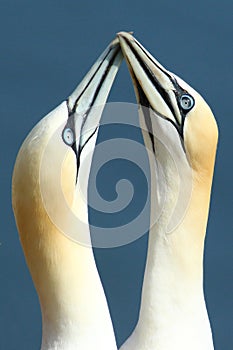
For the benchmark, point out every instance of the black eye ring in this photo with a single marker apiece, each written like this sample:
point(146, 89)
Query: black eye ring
point(186, 102)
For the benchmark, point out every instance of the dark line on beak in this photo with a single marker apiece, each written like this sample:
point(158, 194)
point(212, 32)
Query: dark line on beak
point(153, 78)
point(178, 91)
point(144, 103)
point(104, 76)
point(100, 83)
point(164, 71)
point(89, 82)
point(79, 151)
point(71, 113)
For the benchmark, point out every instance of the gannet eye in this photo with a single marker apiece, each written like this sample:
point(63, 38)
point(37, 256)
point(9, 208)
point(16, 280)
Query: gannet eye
point(68, 136)
point(186, 102)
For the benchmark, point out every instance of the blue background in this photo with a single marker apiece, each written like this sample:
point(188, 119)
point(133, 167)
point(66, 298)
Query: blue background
point(45, 49)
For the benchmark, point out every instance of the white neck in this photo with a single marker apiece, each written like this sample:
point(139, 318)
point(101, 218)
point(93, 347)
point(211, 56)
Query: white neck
point(75, 314)
point(173, 313)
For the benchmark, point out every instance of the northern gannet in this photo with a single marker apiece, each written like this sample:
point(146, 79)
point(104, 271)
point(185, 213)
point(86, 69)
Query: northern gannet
point(180, 135)
point(74, 310)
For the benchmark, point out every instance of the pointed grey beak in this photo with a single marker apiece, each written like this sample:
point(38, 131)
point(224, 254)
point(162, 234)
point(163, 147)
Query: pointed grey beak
point(86, 103)
point(154, 85)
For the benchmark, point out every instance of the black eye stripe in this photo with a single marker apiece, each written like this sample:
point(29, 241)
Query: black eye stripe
point(165, 96)
point(178, 90)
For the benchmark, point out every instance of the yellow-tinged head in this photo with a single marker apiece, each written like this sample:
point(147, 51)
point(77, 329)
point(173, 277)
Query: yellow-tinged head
point(200, 134)
point(174, 100)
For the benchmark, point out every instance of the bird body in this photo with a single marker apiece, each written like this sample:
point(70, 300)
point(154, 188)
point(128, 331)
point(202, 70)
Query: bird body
point(74, 308)
point(181, 146)
point(50, 183)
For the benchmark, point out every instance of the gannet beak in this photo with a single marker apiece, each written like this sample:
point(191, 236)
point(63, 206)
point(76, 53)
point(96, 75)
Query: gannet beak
point(86, 103)
point(154, 85)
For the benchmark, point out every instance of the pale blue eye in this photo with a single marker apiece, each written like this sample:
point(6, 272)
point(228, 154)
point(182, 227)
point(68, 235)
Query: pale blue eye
point(68, 136)
point(186, 102)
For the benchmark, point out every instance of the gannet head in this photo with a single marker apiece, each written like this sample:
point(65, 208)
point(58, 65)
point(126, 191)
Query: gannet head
point(175, 101)
point(55, 148)
point(50, 163)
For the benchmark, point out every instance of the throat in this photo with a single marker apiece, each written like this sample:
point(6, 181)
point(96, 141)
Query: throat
point(173, 312)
